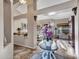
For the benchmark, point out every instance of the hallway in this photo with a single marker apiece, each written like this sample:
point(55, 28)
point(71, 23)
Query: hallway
point(39, 29)
point(28, 23)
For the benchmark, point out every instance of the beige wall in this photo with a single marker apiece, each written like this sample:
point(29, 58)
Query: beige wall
point(41, 22)
point(17, 23)
point(7, 20)
point(20, 40)
point(7, 51)
point(1, 25)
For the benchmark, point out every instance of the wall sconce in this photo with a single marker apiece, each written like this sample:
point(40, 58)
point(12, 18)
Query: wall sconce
point(74, 10)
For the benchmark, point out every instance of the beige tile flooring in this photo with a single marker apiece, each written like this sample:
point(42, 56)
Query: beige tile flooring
point(22, 52)
point(60, 54)
point(26, 53)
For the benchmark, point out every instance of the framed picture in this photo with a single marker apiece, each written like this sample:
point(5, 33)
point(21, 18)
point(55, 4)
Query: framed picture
point(23, 26)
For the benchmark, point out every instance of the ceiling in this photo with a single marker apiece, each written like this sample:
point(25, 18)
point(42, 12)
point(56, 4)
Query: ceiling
point(41, 4)
point(47, 3)
point(59, 15)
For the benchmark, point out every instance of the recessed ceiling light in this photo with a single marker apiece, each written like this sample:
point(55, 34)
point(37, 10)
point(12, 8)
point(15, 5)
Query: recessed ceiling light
point(51, 13)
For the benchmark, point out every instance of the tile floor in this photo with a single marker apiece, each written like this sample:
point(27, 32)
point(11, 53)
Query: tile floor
point(25, 53)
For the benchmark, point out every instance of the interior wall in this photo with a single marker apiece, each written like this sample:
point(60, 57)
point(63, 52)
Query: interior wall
point(7, 21)
point(41, 22)
point(1, 25)
point(21, 40)
point(6, 52)
point(17, 24)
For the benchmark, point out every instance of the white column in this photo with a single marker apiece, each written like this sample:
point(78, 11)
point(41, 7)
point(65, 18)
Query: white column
point(7, 21)
point(1, 25)
point(6, 52)
point(77, 31)
point(31, 26)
